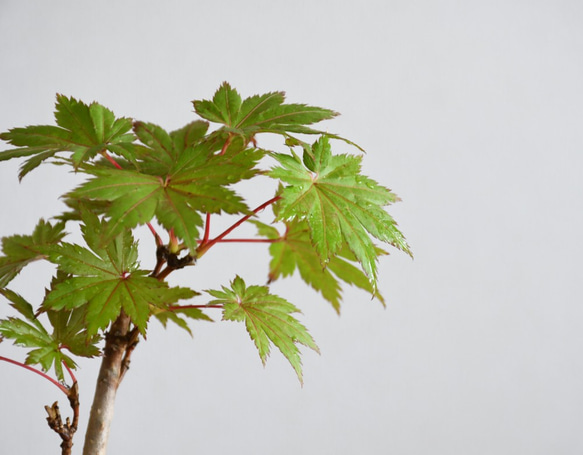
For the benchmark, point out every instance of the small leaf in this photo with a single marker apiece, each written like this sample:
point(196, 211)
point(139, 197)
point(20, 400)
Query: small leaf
point(268, 319)
point(158, 140)
point(21, 305)
point(224, 108)
point(85, 130)
point(259, 113)
point(21, 250)
point(188, 135)
point(69, 333)
point(295, 251)
point(174, 314)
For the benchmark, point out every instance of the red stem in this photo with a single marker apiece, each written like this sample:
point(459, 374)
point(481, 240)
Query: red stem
point(207, 229)
point(182, 307)
point(110, 159)
point(61, 387)
point(164, 273)
point(226, 145)
point(249, 240)
point(203, 247)
point(73, 378)
point(155, 234)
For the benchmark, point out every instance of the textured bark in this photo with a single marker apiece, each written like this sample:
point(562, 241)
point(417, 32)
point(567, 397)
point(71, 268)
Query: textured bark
point(66, 430)
point(118, 343)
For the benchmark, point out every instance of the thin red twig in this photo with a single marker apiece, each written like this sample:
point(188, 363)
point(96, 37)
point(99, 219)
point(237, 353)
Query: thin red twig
point(155, 234)
point(73, 378)
point(207, 229)
point(110, 159)
point(61, 387)
point(226, 145)
point(203, 247)
point(183, 307)
point(249, 240)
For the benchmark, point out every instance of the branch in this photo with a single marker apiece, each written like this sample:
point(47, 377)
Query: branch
point(133, 339)
point(73, 378)
point(155, 234)
point(207, 228)
point(249, 240)
point(108, 157)
point(226, 144)
point(66, 430)
point(164, 273)
point(117, 342)
point(186, 307)
point(61, 387)
point(203, 247)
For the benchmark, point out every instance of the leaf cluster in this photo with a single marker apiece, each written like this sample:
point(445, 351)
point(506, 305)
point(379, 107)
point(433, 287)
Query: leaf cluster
point(138, 173)
point(47, 349)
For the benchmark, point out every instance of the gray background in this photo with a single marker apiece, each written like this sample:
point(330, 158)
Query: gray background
point(470, 110)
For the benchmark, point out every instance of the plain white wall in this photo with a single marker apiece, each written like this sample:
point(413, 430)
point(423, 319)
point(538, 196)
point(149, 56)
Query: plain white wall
point(471, 111)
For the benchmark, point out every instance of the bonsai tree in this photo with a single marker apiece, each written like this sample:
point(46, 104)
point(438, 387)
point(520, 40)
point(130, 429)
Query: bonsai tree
point(323, 219)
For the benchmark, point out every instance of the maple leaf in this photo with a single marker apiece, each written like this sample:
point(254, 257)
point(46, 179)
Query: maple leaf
point(21, 250)
point(162, 150)
point(174, 314)
point(341, 206)
point(106, 280)
point(196, 183)
point(260, 113)
point(68, 333)
point(84, 130)
point(268, 319)
point(294, 250)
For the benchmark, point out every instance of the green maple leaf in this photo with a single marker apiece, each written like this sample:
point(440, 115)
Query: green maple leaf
point(268, 319)
point(69, 330)
point(21, 250)
point(294, 250)
point(196, 183)
point(162, 150)
point(340, 205)
point(46, 350)
point(85, 130)
point(260, 113)
point(106, 279)
point(68, 333)
point(174, 315)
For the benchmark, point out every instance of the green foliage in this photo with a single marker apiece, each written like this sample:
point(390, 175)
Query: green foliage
point(295, 251)
point(106, 279)
point(341, 206)
point(174, 315)
point(68, 333)
point(21, 250)
point(176, 194)
point(268, 319)
point(259, 114)
point(82, 129)
point(138, 173)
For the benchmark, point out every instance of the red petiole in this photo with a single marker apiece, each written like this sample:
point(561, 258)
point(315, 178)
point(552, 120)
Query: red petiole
point(61, 387)
point(73, 378)
point(186, 307)
point(204, 246)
